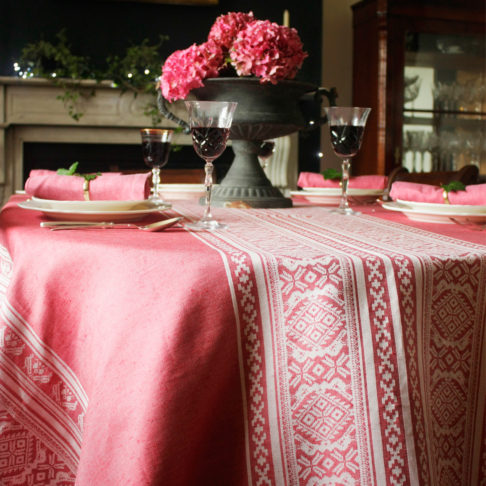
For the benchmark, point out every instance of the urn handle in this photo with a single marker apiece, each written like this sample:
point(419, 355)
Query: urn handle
point(164, 110)
point(315, 105)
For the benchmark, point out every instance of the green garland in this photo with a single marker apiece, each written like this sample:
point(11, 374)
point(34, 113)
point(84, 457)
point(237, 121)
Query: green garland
point(135, 72)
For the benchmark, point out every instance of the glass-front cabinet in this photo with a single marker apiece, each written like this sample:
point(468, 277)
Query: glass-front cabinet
point(444, 102)
point(422, 68)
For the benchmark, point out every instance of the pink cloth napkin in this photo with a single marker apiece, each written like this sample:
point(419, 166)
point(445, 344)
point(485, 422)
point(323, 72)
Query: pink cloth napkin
point(111, 186)
point(416, 192)
point(314, 179)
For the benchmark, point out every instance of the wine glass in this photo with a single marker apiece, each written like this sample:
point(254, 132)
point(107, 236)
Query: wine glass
point(347, 127)
point(155, 151)
point(267, 148)
point(210, 123)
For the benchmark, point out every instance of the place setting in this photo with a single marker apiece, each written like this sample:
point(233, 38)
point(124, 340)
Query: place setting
point(339, 188)
point(447, 204)
point(99, 200)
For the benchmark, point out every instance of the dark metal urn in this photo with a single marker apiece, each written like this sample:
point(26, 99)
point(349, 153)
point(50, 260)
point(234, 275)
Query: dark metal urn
point(264, 111)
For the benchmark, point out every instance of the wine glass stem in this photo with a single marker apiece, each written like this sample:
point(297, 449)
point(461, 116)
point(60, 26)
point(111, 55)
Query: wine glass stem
point(208, 183)
point(345, 180)
point(155, 181)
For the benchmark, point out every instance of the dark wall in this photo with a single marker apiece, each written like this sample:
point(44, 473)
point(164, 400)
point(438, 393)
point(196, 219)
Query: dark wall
point(98, 28)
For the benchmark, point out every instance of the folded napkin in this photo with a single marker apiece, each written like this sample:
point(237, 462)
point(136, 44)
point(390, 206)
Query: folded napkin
point(109, 186)
point(416, 192)
point(314, 179)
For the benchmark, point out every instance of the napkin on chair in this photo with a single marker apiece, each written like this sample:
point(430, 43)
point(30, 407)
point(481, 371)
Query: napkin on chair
point(412, 191)
point(110, 186)
point(314, 179)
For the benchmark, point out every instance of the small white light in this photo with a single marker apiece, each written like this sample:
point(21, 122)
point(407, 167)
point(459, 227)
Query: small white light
point(53, 75)
point(320, 155)
point(16, 66)
point(147, 71)
point(129, 75)
point(311, 122)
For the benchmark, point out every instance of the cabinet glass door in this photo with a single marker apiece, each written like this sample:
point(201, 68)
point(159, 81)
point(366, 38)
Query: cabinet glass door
point(444, 112)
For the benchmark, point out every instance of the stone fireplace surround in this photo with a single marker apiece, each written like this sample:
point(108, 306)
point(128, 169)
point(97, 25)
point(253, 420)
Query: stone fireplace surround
point(30, 112)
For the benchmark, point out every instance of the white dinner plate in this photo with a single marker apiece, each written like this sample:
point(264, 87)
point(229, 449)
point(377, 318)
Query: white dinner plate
point(94, 210)
point(447, 208)
point(93, 205)
point(332, 195)
point(454, 213)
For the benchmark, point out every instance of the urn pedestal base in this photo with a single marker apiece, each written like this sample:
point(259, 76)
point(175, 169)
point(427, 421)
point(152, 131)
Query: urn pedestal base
point(247, 182)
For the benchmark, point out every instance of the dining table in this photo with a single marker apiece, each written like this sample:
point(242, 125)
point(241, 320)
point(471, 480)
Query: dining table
point(297, 346)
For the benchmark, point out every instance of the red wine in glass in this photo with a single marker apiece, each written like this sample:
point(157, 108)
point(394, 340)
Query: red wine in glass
point(155, 153)
point(210, 123)
point(346, 139)
point(209, 142)
point(266, 150)
point(346, 126)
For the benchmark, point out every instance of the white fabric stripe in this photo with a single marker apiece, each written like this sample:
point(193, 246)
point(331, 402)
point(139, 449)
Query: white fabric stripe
point(44, 352)
point(423, 338)
point(372, 446)
point(263, 286)
point(231, 285)
point(402, 367)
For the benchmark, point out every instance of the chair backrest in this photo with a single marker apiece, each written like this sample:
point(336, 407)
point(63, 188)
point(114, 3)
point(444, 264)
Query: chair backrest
point(469, 174)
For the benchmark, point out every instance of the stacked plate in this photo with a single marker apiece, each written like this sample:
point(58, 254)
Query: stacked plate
point(439, 213)
point(182, 191)
point(94, 210)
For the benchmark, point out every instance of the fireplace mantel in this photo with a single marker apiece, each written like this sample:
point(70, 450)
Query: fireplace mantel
point(31, 112)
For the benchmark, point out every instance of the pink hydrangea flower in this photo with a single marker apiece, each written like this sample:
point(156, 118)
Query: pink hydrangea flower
point(226, 27)
point(184, 70)
point(251, 47)
point(270, 51)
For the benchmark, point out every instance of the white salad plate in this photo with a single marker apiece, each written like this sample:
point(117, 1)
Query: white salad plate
point(451, 213)
point(94, 210)
point(332, 195)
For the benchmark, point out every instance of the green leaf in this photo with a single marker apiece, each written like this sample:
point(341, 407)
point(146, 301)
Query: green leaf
point(453, 186)
point(332, 174)
point(89, 177)
point(70, 171)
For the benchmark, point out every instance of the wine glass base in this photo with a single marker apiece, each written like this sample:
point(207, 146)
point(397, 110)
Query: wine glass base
point(205, 225)
point(345, 211)
point(157, 200)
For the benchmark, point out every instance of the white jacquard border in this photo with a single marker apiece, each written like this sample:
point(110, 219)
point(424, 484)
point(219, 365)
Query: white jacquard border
point(37, 411)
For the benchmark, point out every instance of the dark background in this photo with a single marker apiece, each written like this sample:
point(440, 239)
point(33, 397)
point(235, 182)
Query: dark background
point(101, 28)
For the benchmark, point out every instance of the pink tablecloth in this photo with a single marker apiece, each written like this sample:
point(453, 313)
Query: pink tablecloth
point(296, 347)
